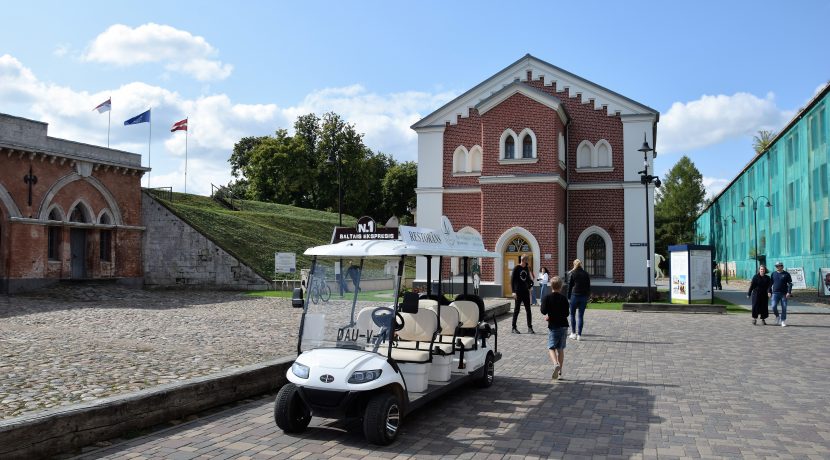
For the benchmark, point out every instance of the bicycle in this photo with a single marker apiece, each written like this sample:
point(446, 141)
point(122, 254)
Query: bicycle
point(319, 290)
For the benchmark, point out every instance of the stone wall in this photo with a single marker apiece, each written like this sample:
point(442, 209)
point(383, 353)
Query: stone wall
point(178, 255)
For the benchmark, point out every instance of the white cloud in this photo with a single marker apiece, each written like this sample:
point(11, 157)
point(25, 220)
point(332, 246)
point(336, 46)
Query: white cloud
point(180, 50)
point(385, 119)
point(216, 123)
point(714, 119)
point(714, 185)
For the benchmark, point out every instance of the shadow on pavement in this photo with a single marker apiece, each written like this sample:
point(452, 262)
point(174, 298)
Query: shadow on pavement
point(520, 416)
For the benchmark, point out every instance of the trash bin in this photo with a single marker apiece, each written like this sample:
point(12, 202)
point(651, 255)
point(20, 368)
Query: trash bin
point(297, 298)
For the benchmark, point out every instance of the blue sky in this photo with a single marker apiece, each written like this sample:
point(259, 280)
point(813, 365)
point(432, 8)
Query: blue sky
point(717, 71)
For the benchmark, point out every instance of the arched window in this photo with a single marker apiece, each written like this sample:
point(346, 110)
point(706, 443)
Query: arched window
point(54, 214)
point(509, 149)
point(475, 159)
point(527, 146)
point(603, 154)
point(595, 255)
point(583, 155)
point(105, 219)
point(459, 160)
point(79, 214)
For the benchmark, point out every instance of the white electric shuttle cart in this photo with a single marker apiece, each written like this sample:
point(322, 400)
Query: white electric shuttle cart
point(375, 364)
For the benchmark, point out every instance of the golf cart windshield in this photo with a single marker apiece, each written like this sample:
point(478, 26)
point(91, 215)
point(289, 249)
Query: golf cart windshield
point(332, 321)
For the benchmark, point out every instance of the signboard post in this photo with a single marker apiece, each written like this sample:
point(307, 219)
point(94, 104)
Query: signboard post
point(797, 274)
point(690, 272)
point(285, 262)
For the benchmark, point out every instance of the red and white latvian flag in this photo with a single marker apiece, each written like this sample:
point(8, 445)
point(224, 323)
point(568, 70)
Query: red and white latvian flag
point(179, 126)
point(105, 106)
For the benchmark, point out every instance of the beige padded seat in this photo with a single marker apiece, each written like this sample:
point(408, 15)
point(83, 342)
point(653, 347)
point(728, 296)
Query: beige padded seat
point(417, 327)
point(468, 315)
point(449, 320)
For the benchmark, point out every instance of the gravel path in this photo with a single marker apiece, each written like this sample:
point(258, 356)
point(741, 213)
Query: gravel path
point(72, 344)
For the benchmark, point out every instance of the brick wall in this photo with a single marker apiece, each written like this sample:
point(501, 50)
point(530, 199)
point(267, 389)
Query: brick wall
point(537, 207)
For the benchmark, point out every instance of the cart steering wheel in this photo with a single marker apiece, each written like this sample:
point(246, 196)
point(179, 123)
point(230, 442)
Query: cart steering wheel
point(379, 315)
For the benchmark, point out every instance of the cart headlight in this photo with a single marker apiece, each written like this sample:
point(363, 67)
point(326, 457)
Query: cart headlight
point(364, 376)
point(299, 370)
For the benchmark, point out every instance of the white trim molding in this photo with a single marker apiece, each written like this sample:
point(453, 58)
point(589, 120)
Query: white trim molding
point(609, 248)
point(459, 160)
point(512, 179)
point(534, 94)
point(11, 206)
point(456, 190)
point(527, 132)
point(474, 159)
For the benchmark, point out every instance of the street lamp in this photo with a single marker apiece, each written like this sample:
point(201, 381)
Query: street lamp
point(726, 251)
point(334, 156)
point(646, 179)
point(755, 221)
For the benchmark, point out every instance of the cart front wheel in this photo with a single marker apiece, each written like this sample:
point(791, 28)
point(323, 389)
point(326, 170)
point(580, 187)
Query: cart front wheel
point(290, 412)
point(382, 419)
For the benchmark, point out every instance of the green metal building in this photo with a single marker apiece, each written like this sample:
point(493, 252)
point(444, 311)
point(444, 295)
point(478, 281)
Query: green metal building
point(778, 202)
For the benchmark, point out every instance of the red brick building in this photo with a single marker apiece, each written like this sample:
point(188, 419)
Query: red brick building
point(67, 210)
point(538, 160)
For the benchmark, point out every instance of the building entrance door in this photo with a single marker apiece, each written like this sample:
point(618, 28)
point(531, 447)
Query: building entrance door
point(77, 243)
point(511, 255)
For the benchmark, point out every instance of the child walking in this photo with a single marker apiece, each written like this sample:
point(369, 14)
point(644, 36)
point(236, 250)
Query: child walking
point(556, 309)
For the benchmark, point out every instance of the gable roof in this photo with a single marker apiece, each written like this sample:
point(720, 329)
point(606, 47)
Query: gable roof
point(516, 72)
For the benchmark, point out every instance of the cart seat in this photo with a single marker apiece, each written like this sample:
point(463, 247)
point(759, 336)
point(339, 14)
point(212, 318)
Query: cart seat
point(468, 313)
point(450, 321)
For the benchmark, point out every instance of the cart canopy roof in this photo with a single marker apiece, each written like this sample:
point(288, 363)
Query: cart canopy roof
point(413, 241)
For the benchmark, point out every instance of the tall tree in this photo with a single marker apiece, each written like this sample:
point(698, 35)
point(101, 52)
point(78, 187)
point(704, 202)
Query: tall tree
point(678, 203)
point(399, 191)
point(762, 140)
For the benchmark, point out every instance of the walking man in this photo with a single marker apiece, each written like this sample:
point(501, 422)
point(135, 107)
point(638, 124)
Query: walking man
point(521, 282)
point(782, 290)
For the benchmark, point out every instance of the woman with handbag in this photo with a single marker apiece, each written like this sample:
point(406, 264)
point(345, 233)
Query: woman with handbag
point(759, 291)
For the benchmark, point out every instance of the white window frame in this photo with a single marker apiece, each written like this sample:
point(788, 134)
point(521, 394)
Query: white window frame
point(594, 166)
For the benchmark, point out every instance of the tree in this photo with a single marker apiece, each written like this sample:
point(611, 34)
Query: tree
point(762, 140)
point(678, 203)
point(296, 169)
point(399, 190)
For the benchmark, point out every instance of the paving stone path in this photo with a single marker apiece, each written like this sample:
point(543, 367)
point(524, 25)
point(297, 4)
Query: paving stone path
point(72, 344)
point(640, 385)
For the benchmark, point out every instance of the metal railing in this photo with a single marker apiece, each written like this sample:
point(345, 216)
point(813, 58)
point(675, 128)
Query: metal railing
point(164, 193)
point(225, 197)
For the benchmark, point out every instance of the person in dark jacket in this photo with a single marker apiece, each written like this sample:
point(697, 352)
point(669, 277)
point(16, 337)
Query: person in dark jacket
point(759, 290)
point(556, 310)
point(579, 288)
point(782, 290)
point(521, 282)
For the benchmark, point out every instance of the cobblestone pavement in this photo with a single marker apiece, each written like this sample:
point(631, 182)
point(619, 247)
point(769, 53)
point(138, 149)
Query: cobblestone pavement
point(72, 344)
point(640, 385)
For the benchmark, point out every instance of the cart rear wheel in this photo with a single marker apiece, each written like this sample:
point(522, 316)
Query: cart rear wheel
point(488, 372)
point(382, 419)
point(290, 412)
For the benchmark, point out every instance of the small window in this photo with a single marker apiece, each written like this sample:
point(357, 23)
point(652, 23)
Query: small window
point(55, 215)
point(105, 219)
point(78, 215)
point(595, 256)
point(509, 149)
point(527, 147)
point(54, 238)
point(106, 246)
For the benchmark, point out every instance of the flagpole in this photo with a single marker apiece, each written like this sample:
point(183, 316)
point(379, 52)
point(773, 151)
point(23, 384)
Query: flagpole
point(185, 153)
point(149, 143)
point(109, 122)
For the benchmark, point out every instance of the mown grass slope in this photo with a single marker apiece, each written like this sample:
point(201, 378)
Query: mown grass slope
point(259, 230)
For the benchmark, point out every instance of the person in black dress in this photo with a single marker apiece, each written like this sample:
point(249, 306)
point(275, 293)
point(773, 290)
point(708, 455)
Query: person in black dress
point(759, 292)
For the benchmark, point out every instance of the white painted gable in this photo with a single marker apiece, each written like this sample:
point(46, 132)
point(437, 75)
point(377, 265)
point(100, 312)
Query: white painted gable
point(573, 86)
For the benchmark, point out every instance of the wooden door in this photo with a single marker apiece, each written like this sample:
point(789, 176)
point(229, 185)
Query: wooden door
point(511, 257)
point(77, 243)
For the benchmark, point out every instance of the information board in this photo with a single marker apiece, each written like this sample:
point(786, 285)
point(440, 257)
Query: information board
point(285, 262)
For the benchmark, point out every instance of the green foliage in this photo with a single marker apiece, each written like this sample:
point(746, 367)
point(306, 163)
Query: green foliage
point(305, 169)
point(762, 140)
point(399, 190)
point(678, 203)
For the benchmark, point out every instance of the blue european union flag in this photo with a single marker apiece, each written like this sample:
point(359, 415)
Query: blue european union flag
point(143, 118)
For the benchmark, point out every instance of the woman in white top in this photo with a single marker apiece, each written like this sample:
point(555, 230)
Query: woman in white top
point(544, 280)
